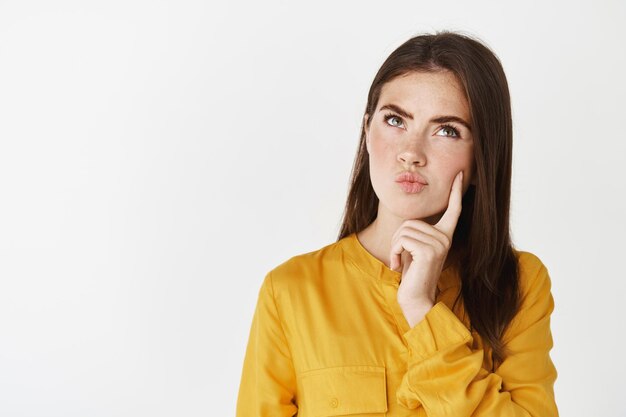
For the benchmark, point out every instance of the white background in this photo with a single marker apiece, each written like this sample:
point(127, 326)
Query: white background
point(157, 158)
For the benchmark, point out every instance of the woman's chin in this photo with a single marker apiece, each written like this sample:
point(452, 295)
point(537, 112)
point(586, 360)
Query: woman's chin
point(429, 218)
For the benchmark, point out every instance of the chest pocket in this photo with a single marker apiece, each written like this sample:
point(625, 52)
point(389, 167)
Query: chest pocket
point(343, 390)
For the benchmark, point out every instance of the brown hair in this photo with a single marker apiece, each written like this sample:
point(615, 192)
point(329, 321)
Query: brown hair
point(481, 246)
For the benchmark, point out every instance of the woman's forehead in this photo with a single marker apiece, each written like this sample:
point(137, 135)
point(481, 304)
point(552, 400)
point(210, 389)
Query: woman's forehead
point(426, 92)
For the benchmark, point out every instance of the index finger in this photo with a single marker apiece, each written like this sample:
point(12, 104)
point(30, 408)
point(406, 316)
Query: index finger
point(448, 221)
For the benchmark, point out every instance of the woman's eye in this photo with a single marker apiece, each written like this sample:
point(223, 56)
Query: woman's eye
point(452, 132)
point(391, 118)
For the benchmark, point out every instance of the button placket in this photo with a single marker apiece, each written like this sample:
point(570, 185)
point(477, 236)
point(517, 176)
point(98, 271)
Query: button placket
point(390, 291)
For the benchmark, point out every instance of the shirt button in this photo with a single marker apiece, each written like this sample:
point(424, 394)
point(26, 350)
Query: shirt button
point(334, 403)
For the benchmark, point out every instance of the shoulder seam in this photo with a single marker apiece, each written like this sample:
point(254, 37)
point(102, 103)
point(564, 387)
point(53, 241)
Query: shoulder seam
point(280, 320)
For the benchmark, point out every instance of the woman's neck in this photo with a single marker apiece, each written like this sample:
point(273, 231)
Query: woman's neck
point(376, 239)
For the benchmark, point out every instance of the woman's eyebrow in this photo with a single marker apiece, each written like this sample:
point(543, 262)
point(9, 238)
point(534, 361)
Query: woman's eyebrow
point(437, 119)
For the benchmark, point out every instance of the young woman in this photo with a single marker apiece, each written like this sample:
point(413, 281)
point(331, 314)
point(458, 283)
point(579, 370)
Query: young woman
point(422, 307)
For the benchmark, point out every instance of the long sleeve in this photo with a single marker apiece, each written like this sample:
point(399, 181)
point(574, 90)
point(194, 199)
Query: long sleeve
point(268, 381)
point(445, 376)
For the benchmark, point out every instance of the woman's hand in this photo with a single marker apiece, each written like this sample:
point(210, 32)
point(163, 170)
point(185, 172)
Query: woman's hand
point(422, 249)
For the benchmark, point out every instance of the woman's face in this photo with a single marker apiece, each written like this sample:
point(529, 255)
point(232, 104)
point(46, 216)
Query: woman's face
point(420, 125)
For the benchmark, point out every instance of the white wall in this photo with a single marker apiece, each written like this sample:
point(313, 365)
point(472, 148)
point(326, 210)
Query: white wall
point(157, 158)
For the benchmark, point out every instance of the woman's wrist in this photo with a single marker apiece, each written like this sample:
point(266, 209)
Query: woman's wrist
point(415, 312)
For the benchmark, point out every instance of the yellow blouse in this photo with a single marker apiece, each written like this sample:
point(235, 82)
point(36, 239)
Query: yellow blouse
point(328, 338)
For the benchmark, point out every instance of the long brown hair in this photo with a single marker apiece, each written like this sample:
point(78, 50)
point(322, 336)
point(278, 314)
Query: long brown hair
point(481, 246)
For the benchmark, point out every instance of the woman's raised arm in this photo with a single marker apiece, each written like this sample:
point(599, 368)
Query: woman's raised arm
point(446, 377)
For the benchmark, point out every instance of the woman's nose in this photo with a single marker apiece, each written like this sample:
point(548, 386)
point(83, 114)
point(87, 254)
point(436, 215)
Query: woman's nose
point(411, 157)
